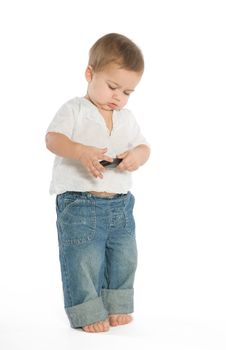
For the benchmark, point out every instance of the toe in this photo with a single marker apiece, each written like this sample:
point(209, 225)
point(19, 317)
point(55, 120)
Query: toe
point(97, 327)
point(128, 318)
point(106, 326)
point(86, 328)
point(101, 326)
point(113, 321)
point(121, 319)
point(91, 328)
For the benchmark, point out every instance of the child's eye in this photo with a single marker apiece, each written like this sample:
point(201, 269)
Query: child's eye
point(126, 93)
point(112, 87)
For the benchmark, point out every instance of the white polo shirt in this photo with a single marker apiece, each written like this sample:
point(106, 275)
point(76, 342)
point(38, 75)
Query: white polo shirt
point(82, 122)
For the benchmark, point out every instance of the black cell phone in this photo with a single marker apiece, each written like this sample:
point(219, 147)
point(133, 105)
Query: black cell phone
point(116, 161)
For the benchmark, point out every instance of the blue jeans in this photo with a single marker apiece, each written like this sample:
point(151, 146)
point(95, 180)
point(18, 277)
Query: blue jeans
point(98, 255)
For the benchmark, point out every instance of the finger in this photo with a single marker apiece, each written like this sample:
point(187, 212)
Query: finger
point(121, 166)
point(107, 158)
point(126, 164)
point(130, 168)
point(96, 173)
point(103, 150)
point(103, 156)
point(101, 169)
point(122, 155)
point(98, 166)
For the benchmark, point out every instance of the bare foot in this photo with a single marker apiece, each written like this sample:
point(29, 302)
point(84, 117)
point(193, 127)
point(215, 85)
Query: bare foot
point(101, 326)
point(119, 319)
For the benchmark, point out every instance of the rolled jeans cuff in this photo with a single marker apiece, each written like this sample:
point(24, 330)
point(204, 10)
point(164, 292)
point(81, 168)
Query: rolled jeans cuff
point(118, 301)
point(86, 313)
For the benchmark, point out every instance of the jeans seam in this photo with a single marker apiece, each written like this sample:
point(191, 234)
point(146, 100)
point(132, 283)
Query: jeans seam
point(66, 278)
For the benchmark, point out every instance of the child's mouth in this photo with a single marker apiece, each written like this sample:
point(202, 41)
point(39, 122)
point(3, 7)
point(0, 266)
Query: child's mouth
point(112, 105)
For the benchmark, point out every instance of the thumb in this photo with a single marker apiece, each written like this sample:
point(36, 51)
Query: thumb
point(104, 150)
point(122, 155)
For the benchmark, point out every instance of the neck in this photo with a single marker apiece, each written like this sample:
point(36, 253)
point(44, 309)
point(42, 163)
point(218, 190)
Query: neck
point(99, 107)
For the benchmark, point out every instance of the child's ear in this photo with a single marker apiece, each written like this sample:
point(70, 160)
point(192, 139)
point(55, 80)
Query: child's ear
point(89, 73)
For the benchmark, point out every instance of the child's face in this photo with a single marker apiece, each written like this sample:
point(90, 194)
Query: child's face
point(110, 88)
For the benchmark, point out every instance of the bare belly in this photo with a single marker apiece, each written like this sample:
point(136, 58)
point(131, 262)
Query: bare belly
point(102, 194)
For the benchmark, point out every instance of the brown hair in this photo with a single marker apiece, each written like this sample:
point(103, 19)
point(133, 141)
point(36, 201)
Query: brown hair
point(116, 48)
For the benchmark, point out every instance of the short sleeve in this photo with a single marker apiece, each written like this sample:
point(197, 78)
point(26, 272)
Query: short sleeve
point(64, 120)
point(137, 138)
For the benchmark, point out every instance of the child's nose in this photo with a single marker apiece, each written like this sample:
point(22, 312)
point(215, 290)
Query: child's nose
point(116, 96)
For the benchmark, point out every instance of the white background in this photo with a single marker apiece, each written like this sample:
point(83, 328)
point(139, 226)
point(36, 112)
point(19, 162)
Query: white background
point(180, 193)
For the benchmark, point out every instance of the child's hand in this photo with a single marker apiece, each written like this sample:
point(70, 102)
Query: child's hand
point(134, 158)
point(90, 157)
point(130, 160)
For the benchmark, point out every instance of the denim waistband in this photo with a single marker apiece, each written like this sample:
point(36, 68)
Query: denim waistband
point(90, 195)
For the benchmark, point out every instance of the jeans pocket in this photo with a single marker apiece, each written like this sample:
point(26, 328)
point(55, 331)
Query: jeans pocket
point(77, 222)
